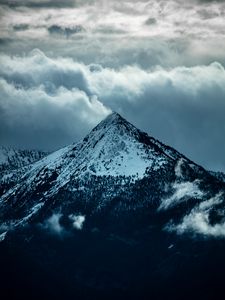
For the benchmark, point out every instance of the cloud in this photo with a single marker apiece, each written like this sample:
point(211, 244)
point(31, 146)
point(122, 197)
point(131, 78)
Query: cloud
point(47, 102)
point(66, 31)
point(21, 27)
point(53, 224)
point(208, 1)
point(78, 221)
point(39, 3)
point(151, 21)
point(34, 119)
point(198, 221)
point(37, 69)
point(44, 106)
point(182, 192)
point(147, 33)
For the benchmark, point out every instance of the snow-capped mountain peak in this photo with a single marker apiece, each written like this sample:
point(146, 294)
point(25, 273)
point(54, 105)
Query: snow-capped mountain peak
point(113, 148)
point(116, 121)
point(116, 147)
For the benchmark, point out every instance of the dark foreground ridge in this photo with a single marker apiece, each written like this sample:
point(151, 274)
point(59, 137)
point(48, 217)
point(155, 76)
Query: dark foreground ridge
point(117, 215)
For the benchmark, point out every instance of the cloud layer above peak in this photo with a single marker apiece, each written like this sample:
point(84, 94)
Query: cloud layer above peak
point(48, 102)
point(117, 33)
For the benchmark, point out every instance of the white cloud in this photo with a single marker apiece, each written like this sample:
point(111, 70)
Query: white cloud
point(53, 224)
point(45, 102)
point(183, 192)
point(78, 221)
point(118, 32)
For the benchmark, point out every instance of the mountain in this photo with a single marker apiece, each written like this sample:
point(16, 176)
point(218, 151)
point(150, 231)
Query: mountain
point(94, 215)
point(11, 158)
point(14, 162)
point(115, 169)
point(114, 148)
point(117, 154)
point(218, 175)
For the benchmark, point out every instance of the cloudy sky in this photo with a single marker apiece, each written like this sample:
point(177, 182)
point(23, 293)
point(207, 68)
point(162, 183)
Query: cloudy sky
point(64, 65)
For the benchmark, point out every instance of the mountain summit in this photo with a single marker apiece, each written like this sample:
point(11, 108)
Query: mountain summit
point(116, 147)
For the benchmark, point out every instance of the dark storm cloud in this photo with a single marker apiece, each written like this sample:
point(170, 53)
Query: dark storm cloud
point(39, 3)
point(5, 41)
point(66, 31)
point(151, 21)
point(205, 14)
point(209, 1)
point(21, 27)
point(183, 107)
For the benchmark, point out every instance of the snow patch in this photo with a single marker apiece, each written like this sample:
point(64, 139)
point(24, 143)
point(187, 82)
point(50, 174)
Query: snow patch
point(3, 236)
point(178, 168)
point(24, 220)
point(32, 212)
point(11, 225)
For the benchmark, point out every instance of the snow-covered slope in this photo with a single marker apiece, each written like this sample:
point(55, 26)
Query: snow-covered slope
point(14, 163)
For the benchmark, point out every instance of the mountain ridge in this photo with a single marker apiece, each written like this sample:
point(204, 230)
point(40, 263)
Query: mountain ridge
point(12, 158)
